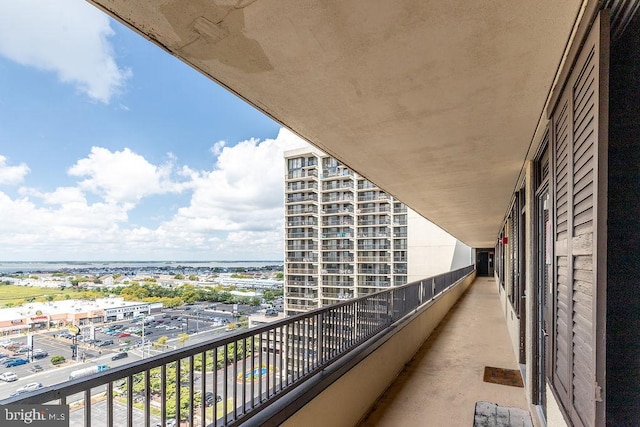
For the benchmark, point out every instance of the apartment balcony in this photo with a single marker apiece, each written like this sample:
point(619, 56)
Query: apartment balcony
point(337, 271)
point(366, 185)
point(302, 210)
point(297, 187)
point(303, 223)
point(347, 246)
point(337, 235)
point(302, 248)
point(376, 221)
point(332, 259)
point(337, 198)
point(383, 208)
point(374, 283)
point(400, 210)
point(337, 295)
point(302, 235)
point(303, 295)
point(373, 197)
point(300, 259)
point(328, 186)
point(301, 307)
point(293, 283)
point(344, 210)
point(337, 171)
point(373, 234)
point(302, 174)
point(301, 270)
point(336, 282)
point(308, 198)
point(334, 222)
point(374, 259)
point(375, 247)
point(374, 271)
point(378, 339)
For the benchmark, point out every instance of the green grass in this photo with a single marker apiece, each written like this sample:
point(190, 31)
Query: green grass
point(14, 294)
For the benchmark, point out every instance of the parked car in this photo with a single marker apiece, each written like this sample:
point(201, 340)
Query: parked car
point(8, 376)
point(16, 362)
point(36, 368)
point(40, 354)
point(124, 335)
point(27, 388)
point(105, 343)
point(5, 359)
point(22, 350)
point(210, 399)
point(120, 355)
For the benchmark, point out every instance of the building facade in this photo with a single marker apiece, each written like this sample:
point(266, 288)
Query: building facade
point(345, 237)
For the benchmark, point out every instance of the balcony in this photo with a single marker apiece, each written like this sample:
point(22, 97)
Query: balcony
point(297, 198)
point(374, 259)
point(302, 235)
point(334, 222)
point(256, 369)
point(302, 174)
point(302, 223)
point(376, 221)
point(337, 235)
point(303, 271)
point(295, 187)
point(301, 284)
point(374, 209)
point(373, 197)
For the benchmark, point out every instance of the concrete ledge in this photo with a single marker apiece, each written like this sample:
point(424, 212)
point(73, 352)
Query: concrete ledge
point(348, 399)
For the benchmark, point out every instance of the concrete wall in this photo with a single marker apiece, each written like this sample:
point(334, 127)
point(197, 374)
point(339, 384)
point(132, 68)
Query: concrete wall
point(432, 250)
point(348, 400)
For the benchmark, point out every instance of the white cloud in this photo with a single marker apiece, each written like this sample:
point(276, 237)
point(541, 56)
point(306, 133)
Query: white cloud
point(244, 191)
point(235, 210)
point(217, 147)
point(68, 37)
point(124, 176)
point(10, 175)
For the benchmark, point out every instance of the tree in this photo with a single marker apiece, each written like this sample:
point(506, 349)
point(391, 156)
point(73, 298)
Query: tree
point(160, 342)
point(193, 277)
point(182, 338)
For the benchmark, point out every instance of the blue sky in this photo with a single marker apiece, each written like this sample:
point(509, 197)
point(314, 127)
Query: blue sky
point(111, 149)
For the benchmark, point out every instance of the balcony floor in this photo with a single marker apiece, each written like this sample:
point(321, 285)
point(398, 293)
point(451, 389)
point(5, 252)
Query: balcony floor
point(444, 380)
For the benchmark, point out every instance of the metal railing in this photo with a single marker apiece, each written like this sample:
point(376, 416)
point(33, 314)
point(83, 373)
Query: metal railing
point(245, 371)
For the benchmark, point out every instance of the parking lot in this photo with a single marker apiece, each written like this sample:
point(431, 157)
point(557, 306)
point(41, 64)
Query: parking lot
point(200, 322)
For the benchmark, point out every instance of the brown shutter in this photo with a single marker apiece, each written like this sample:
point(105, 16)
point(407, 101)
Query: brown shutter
point(579, 130)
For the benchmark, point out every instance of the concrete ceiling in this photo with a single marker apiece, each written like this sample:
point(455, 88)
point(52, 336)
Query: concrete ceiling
point(437, 102)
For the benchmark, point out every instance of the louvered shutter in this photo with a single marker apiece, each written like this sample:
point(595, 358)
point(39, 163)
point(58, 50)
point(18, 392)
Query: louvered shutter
point(580, 139)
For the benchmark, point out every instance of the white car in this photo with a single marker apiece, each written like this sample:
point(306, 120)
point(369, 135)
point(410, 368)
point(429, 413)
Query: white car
point(27, 388)
point(8, 376)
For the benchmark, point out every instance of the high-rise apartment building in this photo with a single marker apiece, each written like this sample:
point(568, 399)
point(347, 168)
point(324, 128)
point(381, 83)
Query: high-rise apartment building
point(345, 237)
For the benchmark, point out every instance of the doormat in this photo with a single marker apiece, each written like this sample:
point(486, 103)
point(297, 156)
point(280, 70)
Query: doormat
point(503, 376)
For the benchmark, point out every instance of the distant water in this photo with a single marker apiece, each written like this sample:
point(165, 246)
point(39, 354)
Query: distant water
point(11, 267)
